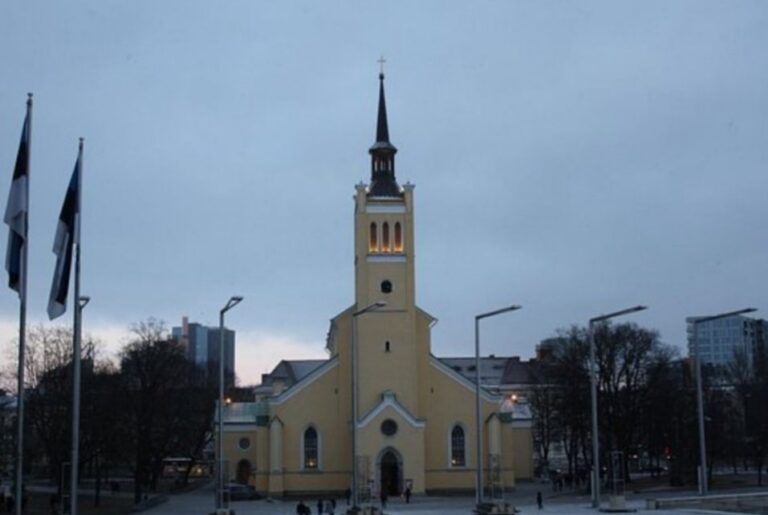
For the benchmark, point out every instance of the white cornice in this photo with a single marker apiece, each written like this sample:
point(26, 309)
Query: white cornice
point(385, 258)
point(385, 208)
point(389, 400)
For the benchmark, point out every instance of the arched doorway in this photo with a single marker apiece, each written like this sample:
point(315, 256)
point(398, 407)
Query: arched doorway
point(243, 472)
point(390, 473)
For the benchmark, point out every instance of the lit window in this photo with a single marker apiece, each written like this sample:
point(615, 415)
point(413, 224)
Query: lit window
point(398, 237)
point(373, 242)
point(385, 237)
point(310, 448)
point(458, 455)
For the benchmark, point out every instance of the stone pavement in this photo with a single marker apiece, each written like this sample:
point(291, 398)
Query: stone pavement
point(201, 503)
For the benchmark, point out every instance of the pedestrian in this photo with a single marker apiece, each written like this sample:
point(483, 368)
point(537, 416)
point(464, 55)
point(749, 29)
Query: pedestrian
point(539, 500)
point(333, 503)
point(348, 494)
point(329, 507)
point(407, 494)
point(319, 506)
point(301, 508)
point(383, 498)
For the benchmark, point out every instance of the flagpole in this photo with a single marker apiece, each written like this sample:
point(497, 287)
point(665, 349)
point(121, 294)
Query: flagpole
point(22, 330)
point(76, 346)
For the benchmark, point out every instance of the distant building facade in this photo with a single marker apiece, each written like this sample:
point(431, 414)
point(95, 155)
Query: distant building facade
point(720, 339)
point(202, 347)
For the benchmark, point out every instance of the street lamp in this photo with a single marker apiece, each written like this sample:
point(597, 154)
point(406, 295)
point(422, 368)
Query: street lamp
point(593, 388)
point(478, 433)
point(703, 487)
point(366, 309)
point(231, 303)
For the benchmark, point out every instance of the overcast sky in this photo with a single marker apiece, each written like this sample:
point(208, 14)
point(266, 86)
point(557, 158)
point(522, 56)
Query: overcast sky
point(573, 157)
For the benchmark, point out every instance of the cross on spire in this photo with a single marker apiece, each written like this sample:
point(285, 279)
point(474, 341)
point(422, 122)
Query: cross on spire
point(381, 62)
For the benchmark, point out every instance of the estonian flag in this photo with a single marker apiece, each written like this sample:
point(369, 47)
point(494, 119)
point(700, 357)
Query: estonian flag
point(16, 210)
point(66, 236)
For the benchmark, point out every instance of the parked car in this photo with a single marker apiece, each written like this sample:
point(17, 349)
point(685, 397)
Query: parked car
point(240, 492)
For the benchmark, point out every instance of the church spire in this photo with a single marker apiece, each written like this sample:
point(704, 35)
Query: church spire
point(382, 129)
point(383, 183)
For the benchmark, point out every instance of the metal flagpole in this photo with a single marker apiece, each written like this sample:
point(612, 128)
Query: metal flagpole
point(23, 330)
point(76, 344)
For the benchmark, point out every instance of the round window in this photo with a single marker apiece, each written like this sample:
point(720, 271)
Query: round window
point(386, 286)
point(244, 443)
point(389, 427)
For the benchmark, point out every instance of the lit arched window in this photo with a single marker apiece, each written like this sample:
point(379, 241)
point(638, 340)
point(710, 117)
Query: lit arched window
point(373, 242)
point(398, 237)
point(310, 448)
point(458, 454)
point(385, 237)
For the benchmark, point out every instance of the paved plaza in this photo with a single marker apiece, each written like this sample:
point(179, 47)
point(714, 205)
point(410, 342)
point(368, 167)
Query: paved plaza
point(201, 502)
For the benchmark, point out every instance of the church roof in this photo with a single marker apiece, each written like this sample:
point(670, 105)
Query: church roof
point(494, 371)
point(289, 372)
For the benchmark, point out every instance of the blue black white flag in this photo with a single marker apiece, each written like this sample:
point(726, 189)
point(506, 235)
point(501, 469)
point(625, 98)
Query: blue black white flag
point(67, 235)
point(16, 210)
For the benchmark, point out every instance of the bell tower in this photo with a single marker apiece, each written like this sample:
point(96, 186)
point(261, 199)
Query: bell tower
point(384, 272)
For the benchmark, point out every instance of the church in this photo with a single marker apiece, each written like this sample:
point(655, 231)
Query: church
point(414, 413)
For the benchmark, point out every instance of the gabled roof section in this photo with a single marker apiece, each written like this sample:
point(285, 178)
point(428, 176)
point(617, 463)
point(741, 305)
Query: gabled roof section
point(389, 400)
point(459, 378)
point(289, 372)
point(314, 374)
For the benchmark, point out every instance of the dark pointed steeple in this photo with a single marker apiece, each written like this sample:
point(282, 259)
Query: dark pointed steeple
point(383, 183)
point(382, 129)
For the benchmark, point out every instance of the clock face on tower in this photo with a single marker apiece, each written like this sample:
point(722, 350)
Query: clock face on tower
point(386, 286)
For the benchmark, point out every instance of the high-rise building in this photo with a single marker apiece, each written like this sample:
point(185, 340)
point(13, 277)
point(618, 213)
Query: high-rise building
point(202, 347)
point(720, 339)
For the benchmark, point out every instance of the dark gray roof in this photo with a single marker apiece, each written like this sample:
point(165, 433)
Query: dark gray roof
point(289, 372)
point(494, 371)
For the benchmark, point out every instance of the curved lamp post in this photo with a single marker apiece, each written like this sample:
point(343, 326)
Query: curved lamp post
point(353, 357)
point(703, 487)
point(478, 432)
point(231, 303)
point(593, 391)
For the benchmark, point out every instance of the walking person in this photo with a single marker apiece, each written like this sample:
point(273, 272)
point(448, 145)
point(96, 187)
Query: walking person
point(320, 506)
point(407, 494)
point(539, 500)
point(383, 498)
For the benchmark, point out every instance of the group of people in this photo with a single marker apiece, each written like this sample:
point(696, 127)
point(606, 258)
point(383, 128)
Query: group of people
point(328, 507)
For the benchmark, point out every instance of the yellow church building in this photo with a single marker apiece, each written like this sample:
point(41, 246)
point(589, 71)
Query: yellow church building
point(415, 413)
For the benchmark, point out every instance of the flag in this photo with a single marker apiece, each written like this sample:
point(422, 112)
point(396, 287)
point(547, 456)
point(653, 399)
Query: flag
point(16, 210)
point(66, 235)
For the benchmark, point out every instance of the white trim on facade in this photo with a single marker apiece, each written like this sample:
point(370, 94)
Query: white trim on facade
point(469, 385)
point(392, 257)
point(388, 399)
point(384, 208)
point(308, 380)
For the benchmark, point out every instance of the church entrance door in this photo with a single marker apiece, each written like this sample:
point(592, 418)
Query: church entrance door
point(390, 474)
point(243, 471)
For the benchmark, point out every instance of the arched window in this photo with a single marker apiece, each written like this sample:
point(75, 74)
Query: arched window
point(458, 454)
point(398, 237)
point(385, 238)
point(310, 448)
point(373, 243)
